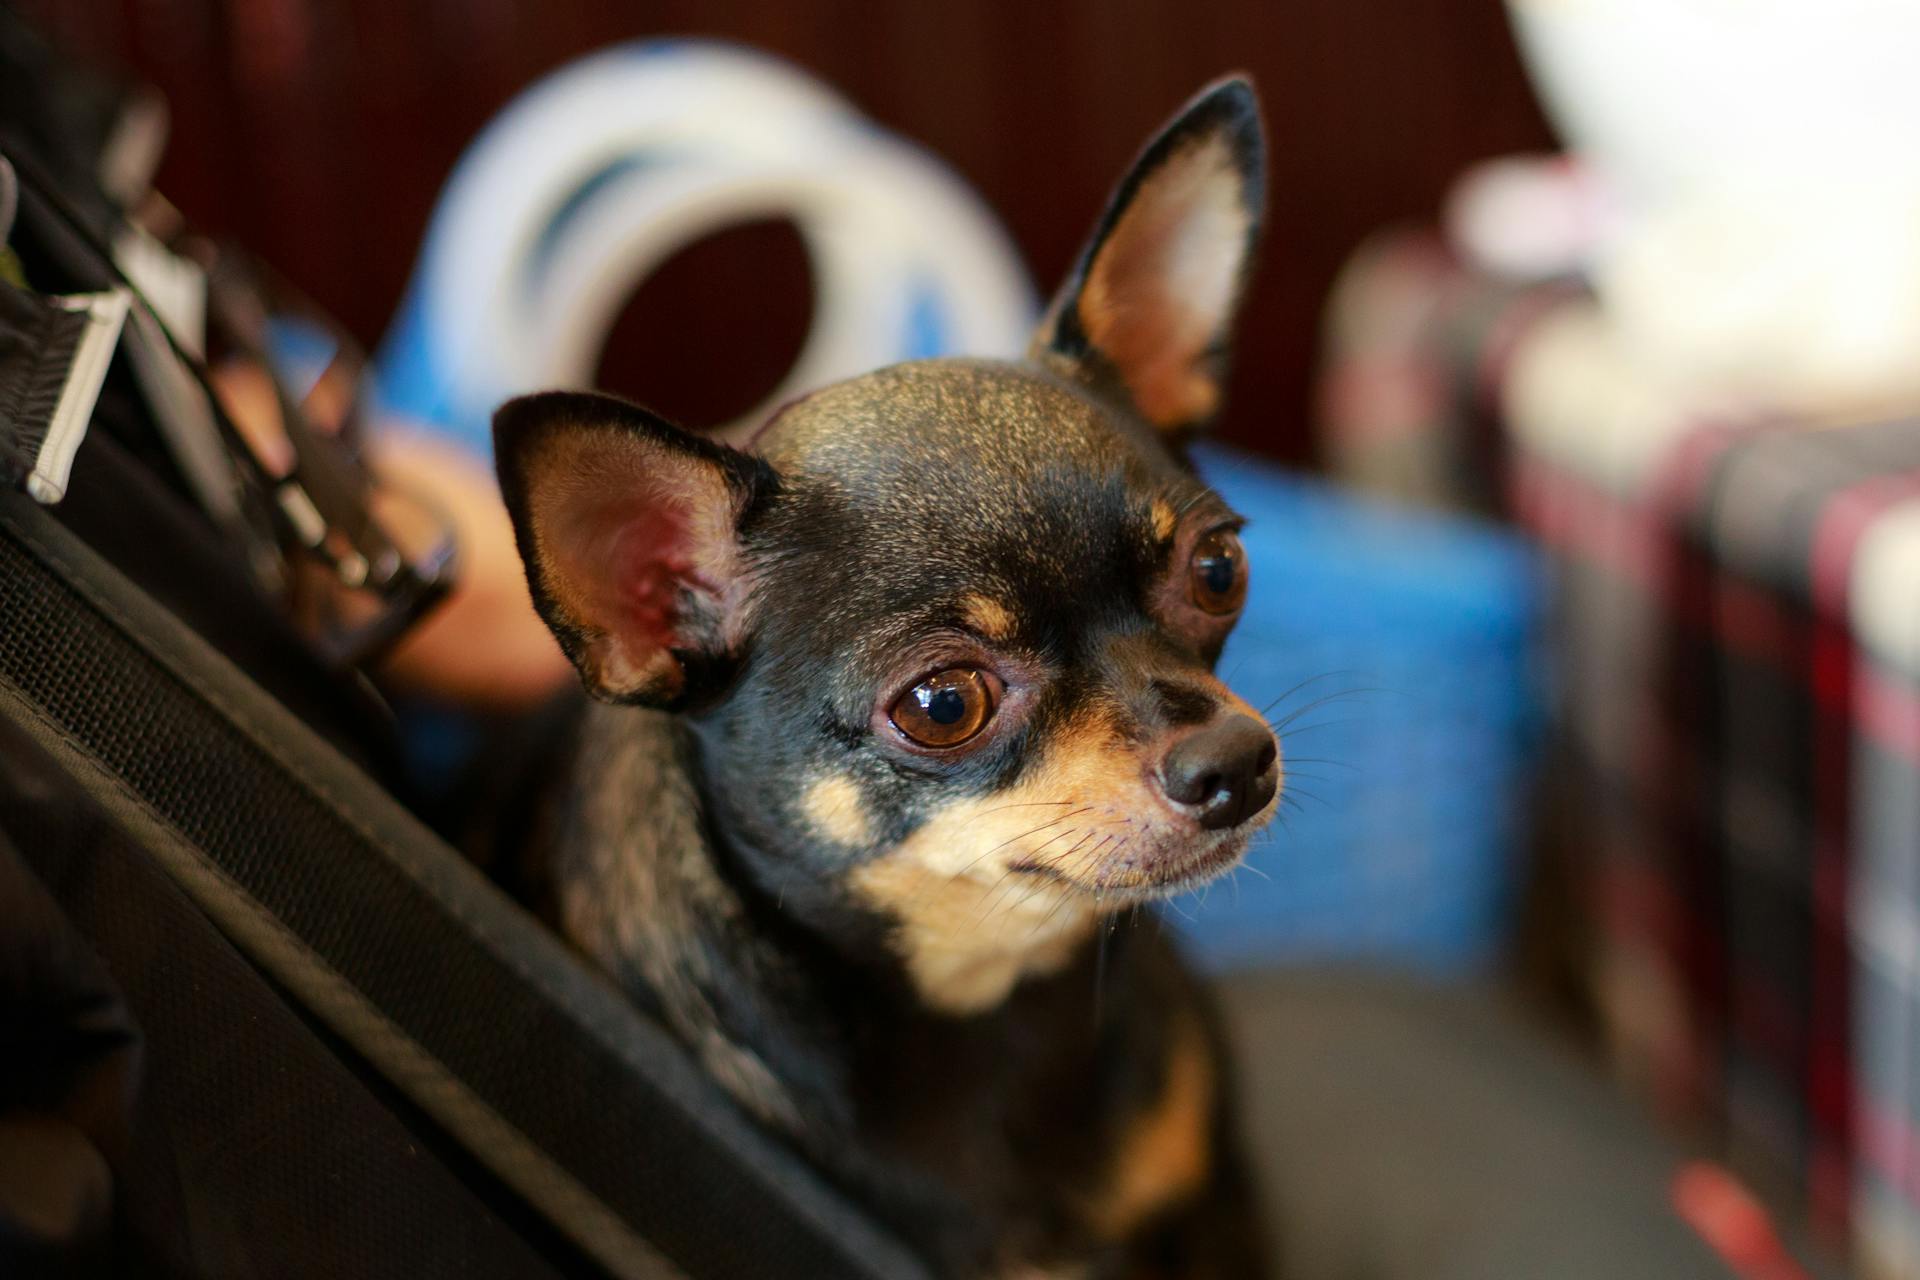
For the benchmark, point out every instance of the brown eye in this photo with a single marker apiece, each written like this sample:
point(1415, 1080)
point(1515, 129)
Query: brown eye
point(1219, 572)
point(947, 708)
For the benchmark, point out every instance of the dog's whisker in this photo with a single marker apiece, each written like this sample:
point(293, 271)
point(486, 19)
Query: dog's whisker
point(934, 887)
point(1036, 831)
point(1049, 840)
point(1022, 804)
point(1055, 910)
point(1325, 675)
point(983, 856)
point(1095, 851)
point(1344, 695)
point(1324, 724)
point(1006, 883)
point(1060, 859)
point(1191, 501)
point(999, 889)
point(997, 896)
point(1303, 794)
point(1031, 831)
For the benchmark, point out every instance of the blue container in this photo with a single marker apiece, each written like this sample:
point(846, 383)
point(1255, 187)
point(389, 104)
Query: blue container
point(1398, 652)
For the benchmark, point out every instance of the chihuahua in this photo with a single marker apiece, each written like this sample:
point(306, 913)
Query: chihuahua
point(903, 704)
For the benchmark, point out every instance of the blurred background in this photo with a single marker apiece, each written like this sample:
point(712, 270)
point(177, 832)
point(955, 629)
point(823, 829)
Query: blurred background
point(1573, 404)
point(319, 135)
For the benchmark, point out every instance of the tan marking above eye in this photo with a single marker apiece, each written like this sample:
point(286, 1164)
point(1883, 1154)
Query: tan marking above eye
point(1165, 520)
point(987, 617)
point(946, 709)
point(1217, 572)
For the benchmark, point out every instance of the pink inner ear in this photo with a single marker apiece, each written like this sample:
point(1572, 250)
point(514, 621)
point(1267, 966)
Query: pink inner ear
point(652, 559)
point(624, 529)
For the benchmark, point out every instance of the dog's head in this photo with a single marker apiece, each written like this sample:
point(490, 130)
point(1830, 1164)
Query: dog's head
point(946, 635)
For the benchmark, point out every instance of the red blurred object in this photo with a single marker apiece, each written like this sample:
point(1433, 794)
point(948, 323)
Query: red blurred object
point(1732, 1222)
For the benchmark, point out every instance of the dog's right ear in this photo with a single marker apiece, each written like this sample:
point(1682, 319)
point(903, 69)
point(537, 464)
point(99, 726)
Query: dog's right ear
point(629, 528)
point(1150, 302)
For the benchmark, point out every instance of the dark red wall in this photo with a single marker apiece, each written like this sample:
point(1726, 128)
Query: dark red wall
point(318, 135)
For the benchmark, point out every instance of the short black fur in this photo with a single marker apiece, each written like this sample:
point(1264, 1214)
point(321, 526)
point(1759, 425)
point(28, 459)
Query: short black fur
point(922, 964)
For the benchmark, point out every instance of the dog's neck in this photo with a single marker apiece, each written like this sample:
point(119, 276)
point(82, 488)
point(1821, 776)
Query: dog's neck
point(636, 885)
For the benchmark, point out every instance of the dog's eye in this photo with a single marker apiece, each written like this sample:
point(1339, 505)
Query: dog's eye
point(946, 708)
point(1219, 572)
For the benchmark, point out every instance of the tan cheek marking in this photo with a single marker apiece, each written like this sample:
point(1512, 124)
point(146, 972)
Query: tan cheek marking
point(1165, 521)
point(967, 927)
point(988, 617)
point(1166, 1155)
point(834, 807)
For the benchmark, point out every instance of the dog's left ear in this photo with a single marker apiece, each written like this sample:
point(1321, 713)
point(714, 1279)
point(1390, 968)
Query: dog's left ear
point(630, 531)
point(1153, 295)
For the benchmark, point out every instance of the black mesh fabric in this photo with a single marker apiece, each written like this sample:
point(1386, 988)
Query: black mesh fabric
point(448, 961)
point(254, 1152)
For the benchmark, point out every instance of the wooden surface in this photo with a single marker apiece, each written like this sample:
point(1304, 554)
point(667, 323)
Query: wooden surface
point(318, 134)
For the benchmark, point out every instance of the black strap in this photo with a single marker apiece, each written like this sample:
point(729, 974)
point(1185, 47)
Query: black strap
point(471, 1009)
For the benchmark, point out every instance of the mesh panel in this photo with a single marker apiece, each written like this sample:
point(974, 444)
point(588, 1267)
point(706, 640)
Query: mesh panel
point(251, 1143)
point(285, 845)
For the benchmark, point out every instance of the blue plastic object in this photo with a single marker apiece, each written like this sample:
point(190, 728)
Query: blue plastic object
point(1397, 652)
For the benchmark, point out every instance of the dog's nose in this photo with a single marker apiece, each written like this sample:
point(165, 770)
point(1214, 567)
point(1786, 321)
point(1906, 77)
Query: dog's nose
point(1223, 771)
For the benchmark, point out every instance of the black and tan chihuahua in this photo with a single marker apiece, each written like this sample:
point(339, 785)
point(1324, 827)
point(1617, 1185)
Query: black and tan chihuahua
point(906, 702)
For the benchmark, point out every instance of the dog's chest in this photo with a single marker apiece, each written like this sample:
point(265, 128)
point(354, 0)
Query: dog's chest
point(1060, 1135)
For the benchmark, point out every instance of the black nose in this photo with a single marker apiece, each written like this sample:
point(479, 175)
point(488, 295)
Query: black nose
point(1225, 771)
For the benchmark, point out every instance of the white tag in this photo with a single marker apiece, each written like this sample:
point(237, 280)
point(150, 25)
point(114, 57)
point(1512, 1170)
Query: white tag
point(106, 314)
point(9, 199)
point(176, 287)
